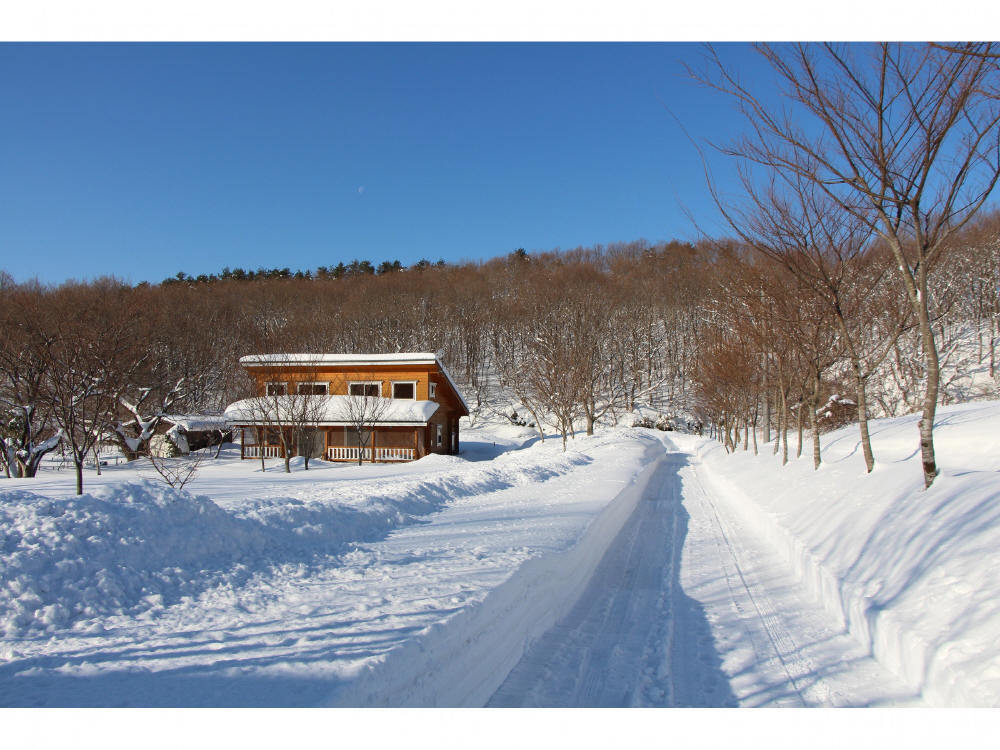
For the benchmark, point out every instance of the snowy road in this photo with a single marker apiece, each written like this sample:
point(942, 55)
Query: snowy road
point(686, 609)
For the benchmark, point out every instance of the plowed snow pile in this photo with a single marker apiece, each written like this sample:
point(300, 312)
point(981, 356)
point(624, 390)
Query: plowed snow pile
point(913, 573)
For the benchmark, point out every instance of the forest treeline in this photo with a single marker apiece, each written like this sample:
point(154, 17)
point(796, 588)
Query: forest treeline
point(861, 262)
point(710, 333)
point(341, 270)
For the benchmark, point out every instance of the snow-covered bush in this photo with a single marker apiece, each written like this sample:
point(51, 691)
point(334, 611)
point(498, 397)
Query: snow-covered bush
point(836, 412)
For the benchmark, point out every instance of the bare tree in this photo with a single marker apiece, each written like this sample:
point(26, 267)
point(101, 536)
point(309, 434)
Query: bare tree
point(91, 357)
point(362, 408)
point(26, 433)
point(306, 408)
point(903, 136)
point(132, 435)
point(831, 253)
point(177, 471)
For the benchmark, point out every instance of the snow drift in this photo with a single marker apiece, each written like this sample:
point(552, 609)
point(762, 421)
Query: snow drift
point(139, 546)
point(911, 573)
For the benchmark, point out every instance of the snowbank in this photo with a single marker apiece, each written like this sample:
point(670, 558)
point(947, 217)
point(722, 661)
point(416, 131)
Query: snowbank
point(122, 550)
point(911, 573)
point(134, 548)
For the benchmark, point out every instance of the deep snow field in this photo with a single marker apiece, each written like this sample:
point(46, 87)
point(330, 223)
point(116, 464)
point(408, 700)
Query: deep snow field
point(429, 583)
point(292, 589)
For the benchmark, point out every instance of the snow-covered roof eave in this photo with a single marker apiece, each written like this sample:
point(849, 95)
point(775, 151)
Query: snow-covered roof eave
point(397, 358)
point(332, 411)
point(249, 423)
point(197, 422)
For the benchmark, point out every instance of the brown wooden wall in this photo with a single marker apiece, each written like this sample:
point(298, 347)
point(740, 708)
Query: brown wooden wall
point(338, 379)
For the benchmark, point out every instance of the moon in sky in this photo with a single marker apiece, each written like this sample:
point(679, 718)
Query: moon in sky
point(361, 189)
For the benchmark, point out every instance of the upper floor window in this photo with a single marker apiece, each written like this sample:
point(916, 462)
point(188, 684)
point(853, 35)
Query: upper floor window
point(312, 389)
point(433, 389)
point(373, 388)
point(406, 389)
point(276, 389)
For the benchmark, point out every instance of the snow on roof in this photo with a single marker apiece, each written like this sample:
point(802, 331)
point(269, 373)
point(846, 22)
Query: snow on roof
point(331, 410)
point(396, 358)
point(197, 422)
point(409, 358)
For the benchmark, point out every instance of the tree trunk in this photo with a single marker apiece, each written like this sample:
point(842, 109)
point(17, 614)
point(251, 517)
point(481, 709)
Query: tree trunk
point(784, 427)
point(538, 423)
point(926, 425)
point(862, 396)
point(992, 349)
point(767, 405)
point(798, 425)
point(78, 464)
point(814, 422)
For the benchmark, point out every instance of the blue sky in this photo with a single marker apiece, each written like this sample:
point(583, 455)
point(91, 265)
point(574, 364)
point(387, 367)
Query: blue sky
point(140, 160)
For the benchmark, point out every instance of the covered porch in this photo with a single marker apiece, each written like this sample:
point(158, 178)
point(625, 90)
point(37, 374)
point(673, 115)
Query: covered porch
point(379, 445)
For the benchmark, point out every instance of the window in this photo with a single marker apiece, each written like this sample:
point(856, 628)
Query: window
point(440, 435)
point(312, 389)
point(365, 389)
point(406, 389)
point(434, 389)
point(276, 389)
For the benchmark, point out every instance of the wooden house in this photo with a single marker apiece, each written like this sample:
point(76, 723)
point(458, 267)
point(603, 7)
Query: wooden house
point(346, 407)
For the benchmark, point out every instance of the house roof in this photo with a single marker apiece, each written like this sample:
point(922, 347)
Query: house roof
point(197, 422)
point(340, 360)
point(397, 358)
point(330, 410)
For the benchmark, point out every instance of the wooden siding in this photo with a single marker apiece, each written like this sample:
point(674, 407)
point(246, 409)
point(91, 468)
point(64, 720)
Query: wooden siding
point(339, 378)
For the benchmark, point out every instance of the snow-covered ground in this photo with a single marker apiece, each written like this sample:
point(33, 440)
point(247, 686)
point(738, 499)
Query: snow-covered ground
point(342, 585)
point(638, 568)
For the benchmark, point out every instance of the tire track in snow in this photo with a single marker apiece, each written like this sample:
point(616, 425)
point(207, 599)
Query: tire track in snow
point(778, 646)
point(614, 647)
point(779, 642)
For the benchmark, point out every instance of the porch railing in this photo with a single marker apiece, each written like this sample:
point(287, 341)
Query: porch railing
point(394, 454)
point(350, 453)
point(254, 451)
